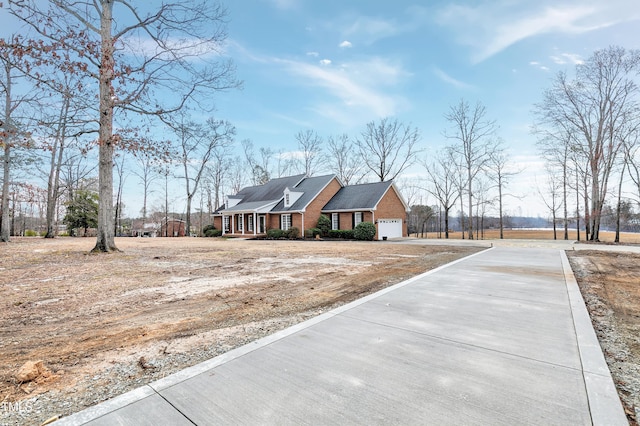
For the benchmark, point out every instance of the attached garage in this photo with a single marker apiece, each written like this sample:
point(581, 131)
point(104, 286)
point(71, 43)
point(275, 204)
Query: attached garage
point(390, 228)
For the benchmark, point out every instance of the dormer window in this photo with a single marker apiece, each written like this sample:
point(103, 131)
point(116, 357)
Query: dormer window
point(290, 197)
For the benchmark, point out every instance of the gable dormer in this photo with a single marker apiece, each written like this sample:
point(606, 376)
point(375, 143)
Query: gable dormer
point(291, 197)
point(231, 202)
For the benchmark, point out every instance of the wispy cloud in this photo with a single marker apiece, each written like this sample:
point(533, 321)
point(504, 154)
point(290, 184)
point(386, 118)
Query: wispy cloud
point(567, 58)
point(314, 54)
point(358, 86)
point(539, 65)
point(372, 29)
point(492, 26)
point(346, 44)
point(325, 62)
point(450, 80)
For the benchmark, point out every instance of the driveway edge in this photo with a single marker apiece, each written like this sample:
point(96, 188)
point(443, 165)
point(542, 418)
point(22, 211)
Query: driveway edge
point(604, 403)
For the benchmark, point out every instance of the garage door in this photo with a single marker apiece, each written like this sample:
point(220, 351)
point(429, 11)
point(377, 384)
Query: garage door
point(390, 228)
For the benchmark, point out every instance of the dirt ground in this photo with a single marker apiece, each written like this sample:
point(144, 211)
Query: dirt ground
point(105, 324)
point(610, 285)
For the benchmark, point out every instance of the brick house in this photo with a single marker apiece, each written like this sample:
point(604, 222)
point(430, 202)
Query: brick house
point(379, 203)
point(173, 228)
point(298, 201)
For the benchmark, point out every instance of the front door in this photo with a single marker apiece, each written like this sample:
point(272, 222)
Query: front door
point(262, 224)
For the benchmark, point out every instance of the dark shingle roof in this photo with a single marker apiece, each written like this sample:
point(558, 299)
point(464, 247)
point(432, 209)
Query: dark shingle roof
point(358, 197)
point(311, 187)
point(270, 191)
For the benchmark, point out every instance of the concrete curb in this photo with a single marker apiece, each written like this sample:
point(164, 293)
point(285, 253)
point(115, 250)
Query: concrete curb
point(604, 402)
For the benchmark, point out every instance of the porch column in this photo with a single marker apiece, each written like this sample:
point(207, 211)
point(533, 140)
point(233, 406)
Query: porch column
point(255, 223)
point(233, 224)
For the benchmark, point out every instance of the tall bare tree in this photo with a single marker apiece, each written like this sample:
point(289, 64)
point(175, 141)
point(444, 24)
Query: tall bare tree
point(259, 164)
point(500, 173)
point(595, 106)
point(310, 147)
point(388, 147)
point(174, 48)
point(343, 159)
point(216, 173)
point(441, 176)
point(551, 195)
point(147, 172)
point(197, 144)
point(471, 131)
point(62, 121)
point(12, 132)
point(556, 146)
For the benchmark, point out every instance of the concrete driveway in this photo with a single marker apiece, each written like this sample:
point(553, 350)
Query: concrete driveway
point(501, 337)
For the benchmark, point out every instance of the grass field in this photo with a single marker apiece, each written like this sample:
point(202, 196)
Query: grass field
point(542, 234)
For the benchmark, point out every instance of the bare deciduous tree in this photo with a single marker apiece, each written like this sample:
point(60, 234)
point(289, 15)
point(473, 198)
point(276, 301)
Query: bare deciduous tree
point(552, 196)
point(500, 173)
point(343, 159)
point(595, 107)
point(310, 146)
point(12, 132)
point(388, 147)
point(441, 173)
point(472, 131)
point(173, 48)
point(196, 145)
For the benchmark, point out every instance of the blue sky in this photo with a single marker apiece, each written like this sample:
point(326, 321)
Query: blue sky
point(333, 66)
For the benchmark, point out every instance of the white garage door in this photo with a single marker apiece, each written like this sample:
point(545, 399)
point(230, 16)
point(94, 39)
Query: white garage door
point(390, 228)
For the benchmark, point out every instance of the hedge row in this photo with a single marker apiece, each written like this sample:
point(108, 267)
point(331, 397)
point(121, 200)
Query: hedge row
point(276, 234)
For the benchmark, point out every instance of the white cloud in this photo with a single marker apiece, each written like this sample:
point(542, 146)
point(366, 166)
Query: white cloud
point(358, 86)
point(538, 65)
point(314, 54)
point(493, 26)
point(291, 155)
point(374, 28)
point(346, 44)
point(325, 62)
point(450, 80)
point(567, 58)
point(184, 47)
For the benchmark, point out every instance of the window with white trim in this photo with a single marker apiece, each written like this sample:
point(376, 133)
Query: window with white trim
point(226, 223)
point(285, 222)
point(357, 218)
point(250, 223)
point(287, 203)
point(335, 221)
point(240, 222)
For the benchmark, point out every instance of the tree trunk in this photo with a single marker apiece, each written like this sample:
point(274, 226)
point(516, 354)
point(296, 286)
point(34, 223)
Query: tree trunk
point(500, 210)
point(106, 239)
point(470, 222)
point(53, 186)
point(564, 199)
point(462, 230)
point(188, 218)
point(577, 207)
point(446, 223)
point(617, 239)
point(587, 218)
point(5, 224)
